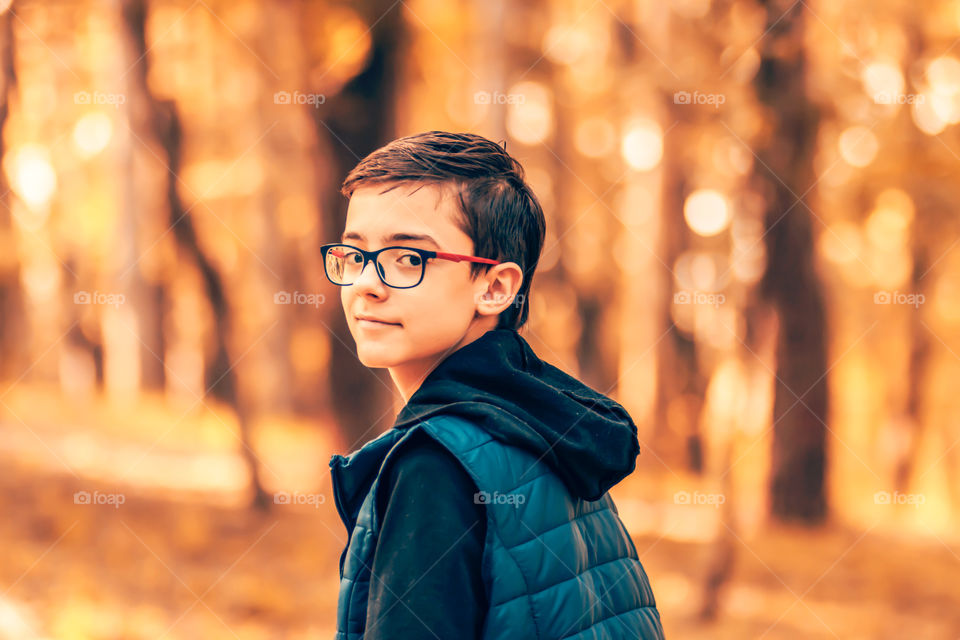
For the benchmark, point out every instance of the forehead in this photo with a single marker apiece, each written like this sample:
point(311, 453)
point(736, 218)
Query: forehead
point(423, 209)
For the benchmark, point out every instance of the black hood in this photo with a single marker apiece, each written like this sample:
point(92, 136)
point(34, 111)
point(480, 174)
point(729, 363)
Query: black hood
point(499, 384)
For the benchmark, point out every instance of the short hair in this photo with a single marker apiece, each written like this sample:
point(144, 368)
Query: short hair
point(498, 209)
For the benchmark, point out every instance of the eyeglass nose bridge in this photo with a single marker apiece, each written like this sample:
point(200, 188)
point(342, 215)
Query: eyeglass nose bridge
point(368, 257)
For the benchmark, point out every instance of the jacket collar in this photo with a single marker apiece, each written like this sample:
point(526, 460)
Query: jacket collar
point(352, 475)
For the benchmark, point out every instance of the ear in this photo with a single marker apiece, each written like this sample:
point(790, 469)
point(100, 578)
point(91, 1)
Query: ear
point(498, 289)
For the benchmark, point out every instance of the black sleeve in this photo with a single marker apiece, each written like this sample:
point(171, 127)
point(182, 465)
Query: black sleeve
point(426, 577)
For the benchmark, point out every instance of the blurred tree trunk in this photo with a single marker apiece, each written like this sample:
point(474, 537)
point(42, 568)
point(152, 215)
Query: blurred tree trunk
point(278, 259)
point(220, 377)
point(145, 295)
point(12, 321)
point(85, 337)
point(783, 175)
point(917, 367)
point(355, 121)
point(909, 430)
point(680, 382)
point(581, 183)
point(163, 122)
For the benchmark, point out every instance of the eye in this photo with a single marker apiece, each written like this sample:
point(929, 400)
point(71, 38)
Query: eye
point(415, 259)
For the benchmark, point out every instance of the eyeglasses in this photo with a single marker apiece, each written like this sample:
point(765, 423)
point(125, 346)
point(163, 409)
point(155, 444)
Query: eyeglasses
point(398, 267)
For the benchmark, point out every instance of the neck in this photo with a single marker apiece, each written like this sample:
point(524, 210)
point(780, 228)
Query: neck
point(410, 375)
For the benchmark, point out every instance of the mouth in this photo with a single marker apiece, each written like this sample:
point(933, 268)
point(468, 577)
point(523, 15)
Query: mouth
point(373, 323)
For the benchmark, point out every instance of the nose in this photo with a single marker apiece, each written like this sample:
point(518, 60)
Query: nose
point(369, 281)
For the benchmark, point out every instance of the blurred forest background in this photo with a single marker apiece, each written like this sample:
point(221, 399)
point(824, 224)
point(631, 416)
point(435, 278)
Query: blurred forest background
point(752, 245)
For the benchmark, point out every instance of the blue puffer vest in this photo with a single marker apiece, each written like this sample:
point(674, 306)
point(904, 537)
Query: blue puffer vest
point(555, 566)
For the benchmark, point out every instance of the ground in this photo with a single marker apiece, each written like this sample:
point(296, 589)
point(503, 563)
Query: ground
point(183, 557)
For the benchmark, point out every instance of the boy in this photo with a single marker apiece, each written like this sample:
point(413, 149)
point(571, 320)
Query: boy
point(483, 512)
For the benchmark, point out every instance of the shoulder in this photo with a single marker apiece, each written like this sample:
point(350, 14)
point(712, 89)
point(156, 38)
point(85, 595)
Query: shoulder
point(421, 453)
point(420, 466)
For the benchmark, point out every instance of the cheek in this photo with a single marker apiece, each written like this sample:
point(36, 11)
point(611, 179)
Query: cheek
point(444, 309)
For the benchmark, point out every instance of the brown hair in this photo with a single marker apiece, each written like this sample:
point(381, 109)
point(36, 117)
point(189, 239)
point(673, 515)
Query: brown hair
point(498, 209)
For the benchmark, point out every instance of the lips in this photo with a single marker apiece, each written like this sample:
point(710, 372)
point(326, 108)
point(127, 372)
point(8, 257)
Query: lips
point(371, 320)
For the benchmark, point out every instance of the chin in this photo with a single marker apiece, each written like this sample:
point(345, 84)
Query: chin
point(375, 356)
point(375, 362)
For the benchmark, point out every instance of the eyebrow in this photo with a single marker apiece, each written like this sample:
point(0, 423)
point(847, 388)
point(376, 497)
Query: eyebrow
point(353, 235)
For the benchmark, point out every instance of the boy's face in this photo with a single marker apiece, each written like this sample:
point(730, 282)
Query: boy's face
point(438, 315)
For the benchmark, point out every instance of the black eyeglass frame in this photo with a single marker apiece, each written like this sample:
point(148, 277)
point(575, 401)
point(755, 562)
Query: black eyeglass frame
point(425, 254)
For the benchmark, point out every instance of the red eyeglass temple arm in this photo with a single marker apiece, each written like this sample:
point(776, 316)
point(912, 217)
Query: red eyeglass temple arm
point(456, 257)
